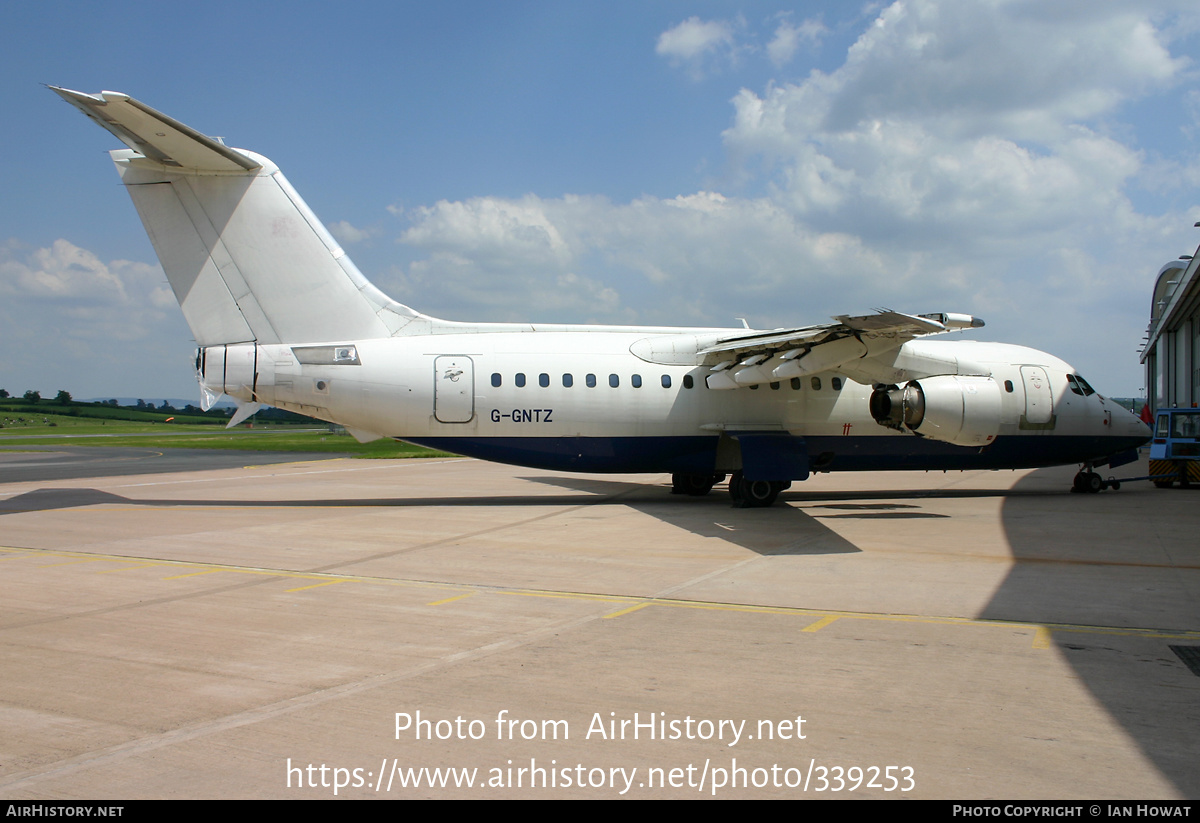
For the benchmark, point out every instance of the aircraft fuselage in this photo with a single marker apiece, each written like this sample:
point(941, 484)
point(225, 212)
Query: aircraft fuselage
point(582, 401)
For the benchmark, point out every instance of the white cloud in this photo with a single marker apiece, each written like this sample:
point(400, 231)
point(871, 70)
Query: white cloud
point(62, 307)
point(1024, 69)
point(697, 44)
point(498, 255)
point(63, 271)
point(347, 233)
point(788, 38)
point(962, 158)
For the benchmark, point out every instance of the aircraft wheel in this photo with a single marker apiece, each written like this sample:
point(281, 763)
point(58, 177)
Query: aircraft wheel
point(693, 485)
point(753, 494)
point(735, 489)
point(1079, 483)
point(1093, 483)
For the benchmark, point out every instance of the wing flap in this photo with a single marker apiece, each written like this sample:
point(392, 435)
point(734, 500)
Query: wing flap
point(761, 357)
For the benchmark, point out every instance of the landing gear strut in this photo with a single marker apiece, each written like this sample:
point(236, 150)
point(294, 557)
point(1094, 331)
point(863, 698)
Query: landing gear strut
point(754, 494)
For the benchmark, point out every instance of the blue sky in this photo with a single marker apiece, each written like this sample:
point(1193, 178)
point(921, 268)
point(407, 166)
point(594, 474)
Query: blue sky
point(683, 163)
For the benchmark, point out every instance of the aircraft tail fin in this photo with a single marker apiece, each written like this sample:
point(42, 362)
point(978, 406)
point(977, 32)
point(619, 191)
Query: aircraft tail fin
point(246, 257)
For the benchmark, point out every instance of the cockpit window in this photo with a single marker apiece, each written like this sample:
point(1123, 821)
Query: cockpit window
point(1079, 385)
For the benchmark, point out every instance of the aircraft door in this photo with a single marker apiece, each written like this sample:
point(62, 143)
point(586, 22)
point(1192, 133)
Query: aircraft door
point(1039, 402)
point(453, 389)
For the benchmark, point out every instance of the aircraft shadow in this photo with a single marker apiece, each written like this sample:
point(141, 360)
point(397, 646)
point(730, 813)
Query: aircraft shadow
point(754, 529)
point(779, 530)
point(1089, 570)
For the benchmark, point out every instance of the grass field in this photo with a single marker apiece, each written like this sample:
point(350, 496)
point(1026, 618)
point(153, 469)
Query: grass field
point(35, 429)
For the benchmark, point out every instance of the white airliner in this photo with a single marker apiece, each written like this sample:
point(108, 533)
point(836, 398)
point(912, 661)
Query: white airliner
point(283, 318)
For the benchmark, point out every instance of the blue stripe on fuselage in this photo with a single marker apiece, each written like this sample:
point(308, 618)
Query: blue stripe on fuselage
point(830, 453)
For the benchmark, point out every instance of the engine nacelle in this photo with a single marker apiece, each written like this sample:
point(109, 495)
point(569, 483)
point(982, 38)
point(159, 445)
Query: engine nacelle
point(959, 409)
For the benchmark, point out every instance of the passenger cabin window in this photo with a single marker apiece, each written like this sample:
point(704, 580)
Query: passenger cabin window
point(520, 380)
point(775, 387)
point(544, 380)
point(496, 380)
point(816, 384)
point(796, 384)
point(836, 383)
point(666, 381)
point(614, 381)
point(688, 381)
point(568, 381)
point(591, 381)
point(636, 380)
point(1008, 386)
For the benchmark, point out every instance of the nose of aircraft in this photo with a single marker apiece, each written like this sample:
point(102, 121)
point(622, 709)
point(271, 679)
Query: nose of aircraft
point(1126, 424)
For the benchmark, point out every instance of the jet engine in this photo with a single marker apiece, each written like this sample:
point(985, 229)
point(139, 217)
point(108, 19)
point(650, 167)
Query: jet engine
point(959, 409)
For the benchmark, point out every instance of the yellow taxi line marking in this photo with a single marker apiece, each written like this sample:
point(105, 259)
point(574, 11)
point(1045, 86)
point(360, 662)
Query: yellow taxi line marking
point(128, 568)
point(193, 574)
point(820, 624)
point(629, 610)
point(451, 599)
point(316, 585)
point(1042, 632)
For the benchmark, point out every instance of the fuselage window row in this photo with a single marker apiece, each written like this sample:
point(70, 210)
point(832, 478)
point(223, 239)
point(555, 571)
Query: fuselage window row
point(568, 380)
point(689, 382)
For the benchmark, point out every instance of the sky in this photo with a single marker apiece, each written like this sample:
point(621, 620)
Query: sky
point(663, 163)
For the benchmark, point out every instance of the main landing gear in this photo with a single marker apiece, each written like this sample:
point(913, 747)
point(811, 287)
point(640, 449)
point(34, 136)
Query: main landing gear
point(746, 494)
point(1087, 481)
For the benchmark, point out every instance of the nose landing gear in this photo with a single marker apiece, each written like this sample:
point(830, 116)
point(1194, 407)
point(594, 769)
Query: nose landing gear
point(1087, 481)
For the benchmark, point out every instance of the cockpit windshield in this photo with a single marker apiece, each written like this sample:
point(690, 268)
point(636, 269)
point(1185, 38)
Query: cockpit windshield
point(1079, 385)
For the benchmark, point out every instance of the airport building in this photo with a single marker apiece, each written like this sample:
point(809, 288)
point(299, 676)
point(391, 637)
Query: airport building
point(1171, 352)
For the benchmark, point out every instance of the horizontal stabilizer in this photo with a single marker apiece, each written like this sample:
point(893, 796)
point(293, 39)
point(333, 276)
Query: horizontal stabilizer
point(155, 135)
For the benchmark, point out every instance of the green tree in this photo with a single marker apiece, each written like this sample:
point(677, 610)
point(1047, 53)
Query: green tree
point(63, 397)
point(33, 396)
point(3, 393)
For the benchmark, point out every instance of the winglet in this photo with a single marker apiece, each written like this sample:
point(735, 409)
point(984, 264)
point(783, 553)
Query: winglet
point(155, 135)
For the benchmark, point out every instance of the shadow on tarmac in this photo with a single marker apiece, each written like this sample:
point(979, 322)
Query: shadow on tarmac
point(1117, 559)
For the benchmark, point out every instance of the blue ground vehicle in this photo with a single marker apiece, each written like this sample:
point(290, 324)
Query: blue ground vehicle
point(1175, 450)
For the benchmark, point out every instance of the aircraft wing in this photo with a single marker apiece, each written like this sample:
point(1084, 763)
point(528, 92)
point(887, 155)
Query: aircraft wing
point(761, 357)
point(154, 134)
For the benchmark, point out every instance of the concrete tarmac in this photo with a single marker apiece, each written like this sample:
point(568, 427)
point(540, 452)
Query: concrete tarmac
point(405, 628)
point(28, 461)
